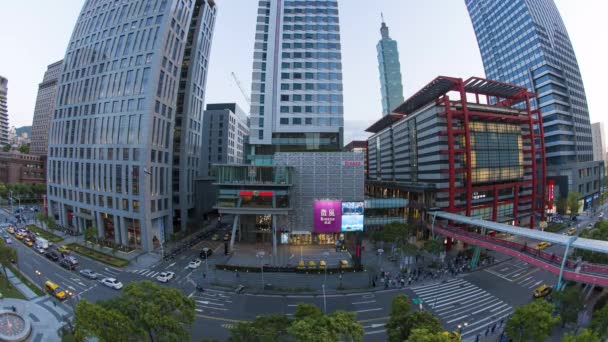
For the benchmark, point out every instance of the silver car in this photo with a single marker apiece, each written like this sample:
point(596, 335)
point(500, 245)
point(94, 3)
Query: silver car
point(87, 273)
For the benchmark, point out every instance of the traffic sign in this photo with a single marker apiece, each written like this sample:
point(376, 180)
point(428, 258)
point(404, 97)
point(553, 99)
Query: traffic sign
point(417, 301)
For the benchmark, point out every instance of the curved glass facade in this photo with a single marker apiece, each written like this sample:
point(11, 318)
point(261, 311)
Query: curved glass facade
point(128, 106)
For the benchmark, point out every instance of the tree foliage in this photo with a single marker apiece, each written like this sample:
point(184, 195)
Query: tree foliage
point(573, 203)
point(6, 148)
point(90, 234)
point(157, 313)
point(92, 320)
point(7, 255)
point(309, 324)
point(432, 246)
point(532, 321)
point(25, 149)
point(562, 205)
point(600, 232)
point(599, 323)
point(395, 232)
point(402, 321)
point(585, 335)
point(571, 301)
point(424, 335)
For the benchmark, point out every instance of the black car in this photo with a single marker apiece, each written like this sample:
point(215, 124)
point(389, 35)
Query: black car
point(67, 265)
point(52, 256)
point(206, 252)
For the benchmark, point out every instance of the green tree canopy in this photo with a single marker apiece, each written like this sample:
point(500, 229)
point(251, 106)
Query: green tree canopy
point(6, 148)
point(599, 323)
point(7, 254)
point(433, 246)
point(24, 149)
point(402, 321)
point(532, 321)
point(107, 325)
point(424, 335)
point(585, 335)
point(271, 328)
point(570, 304)
point(309, 324)
point(562, 205)
point(157, 313)
point(573, 203)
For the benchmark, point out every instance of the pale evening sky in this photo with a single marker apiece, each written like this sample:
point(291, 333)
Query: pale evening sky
point(435, 37)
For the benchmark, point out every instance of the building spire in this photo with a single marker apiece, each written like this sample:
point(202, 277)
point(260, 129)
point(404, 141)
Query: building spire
point(383, 28)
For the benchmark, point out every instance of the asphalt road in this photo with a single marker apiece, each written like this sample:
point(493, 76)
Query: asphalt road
point(481, 299)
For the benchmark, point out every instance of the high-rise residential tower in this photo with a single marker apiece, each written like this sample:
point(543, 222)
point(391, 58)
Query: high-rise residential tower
point(391, 85)
point(3, 111)
point(525, 42)
point(297, 79)
point(598, 133)
point(128, 111)
point(45, 104)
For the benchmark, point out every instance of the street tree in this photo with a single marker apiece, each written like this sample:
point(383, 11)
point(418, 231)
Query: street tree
point(562, 205)
point(90, 234)
point(159, 313)
point(310, 324)
point(400, 311)
point(270, 328)
point(7, 255)
point(570, 304)
point(433, 246)
point(599, 323)
point(6, 148)
point(573, 202)
point(3, 189)
point(584, 335)
point(424, 335)
point(95, 321)
point(532, 321)
point(25, 149)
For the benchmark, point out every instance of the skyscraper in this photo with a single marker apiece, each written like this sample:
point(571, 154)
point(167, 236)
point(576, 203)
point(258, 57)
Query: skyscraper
point(297, 79)
point(3, 111)
point(45, 104)
point(128, 111)
point(390, 71)
point(525, 42)
point(599, 142)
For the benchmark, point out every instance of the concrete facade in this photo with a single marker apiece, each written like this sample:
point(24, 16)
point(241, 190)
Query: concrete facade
point(45, 105)
point(225, 130)
point(128, 109)
point(3, 111)
point(17, 167)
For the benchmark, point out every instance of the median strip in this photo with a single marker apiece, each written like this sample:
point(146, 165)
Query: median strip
point(97, 255)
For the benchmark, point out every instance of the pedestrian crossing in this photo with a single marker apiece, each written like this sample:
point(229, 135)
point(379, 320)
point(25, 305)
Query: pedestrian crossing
point(211, 301)
point(148, 273)
point(458, 301)
point(522, 274)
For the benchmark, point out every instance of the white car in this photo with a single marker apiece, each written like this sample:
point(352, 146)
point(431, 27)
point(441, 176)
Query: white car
point(40, 250)
point(111, 282)
point(194, 263)
point(164, 277)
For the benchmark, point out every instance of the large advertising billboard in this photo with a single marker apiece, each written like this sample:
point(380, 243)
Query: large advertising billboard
point(352, 216)
point(328, 216)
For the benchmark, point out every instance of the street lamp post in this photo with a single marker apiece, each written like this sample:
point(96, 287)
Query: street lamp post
point(260, 255)
point(324, 300)
point(326, 254)
point(12, 210)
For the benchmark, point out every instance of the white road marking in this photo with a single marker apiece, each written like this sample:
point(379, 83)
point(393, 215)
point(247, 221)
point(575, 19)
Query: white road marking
point(535, 284)
point(435, 285)
point(213, 308)
point(498, 275)
point(366, 302)
point(374, 326)
point(171, 265)
point(367, 310)
point(375, 332)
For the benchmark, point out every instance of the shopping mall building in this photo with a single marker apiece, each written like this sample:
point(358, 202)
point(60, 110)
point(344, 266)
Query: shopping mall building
point(471, 147)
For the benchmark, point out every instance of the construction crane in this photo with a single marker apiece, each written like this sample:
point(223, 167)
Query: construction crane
point(238, 83)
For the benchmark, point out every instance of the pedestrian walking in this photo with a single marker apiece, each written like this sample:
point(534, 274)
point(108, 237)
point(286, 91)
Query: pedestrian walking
point(237, 273)
point(493, 328)
point(487, 331)
point(409, 281)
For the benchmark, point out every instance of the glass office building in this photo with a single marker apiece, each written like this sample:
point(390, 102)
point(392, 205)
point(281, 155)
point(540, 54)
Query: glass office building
point(525, 42)
point(125, 137)
point(390, 71)
point(297, 79)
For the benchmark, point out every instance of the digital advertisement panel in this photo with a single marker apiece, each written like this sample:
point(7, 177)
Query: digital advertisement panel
point(328, 214)
point(352, 216)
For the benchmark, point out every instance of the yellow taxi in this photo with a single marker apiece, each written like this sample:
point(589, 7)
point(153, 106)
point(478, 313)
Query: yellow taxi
point(301, 265)
point(28, 241)
point(542, 291)
point(312, 264)
point(11, 230)
point(54, 290)
point(322, 264)
point(20, 235)
point(543, 245)
point(572, 231)
point(343, 263)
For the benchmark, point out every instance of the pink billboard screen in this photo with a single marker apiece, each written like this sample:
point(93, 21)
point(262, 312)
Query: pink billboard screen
point(328, 216)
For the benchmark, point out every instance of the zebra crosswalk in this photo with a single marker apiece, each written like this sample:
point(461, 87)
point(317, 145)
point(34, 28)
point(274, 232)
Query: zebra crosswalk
point(211, 301)
point(458, 301)
point(150, 273)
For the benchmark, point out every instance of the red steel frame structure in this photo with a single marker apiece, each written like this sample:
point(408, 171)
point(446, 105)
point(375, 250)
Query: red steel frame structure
point(458, 124)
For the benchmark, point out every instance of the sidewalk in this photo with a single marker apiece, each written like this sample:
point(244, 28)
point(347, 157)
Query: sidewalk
point(20, 286)
point(45, 317)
